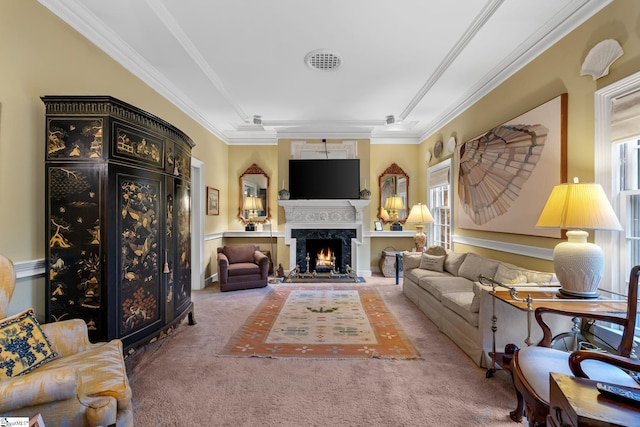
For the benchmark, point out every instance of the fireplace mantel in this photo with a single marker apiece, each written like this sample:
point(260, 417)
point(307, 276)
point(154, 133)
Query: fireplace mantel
point(331, 213)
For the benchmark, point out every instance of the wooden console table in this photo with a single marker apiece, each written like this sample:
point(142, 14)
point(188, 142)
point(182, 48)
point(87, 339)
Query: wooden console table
point(576, 402)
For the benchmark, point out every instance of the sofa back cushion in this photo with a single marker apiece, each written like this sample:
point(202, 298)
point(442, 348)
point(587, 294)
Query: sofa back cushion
point(239, 253)
point(453, 261)
point(475, 265)
point(411, 260)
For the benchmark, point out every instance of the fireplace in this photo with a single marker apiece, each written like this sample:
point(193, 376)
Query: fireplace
point(312, 241)
point(308, 220)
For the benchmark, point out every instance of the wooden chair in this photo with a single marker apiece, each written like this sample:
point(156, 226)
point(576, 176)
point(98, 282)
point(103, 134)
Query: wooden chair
point(531, 366)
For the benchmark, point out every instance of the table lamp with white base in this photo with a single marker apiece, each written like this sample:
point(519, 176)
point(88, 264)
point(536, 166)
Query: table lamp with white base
point(579, 265)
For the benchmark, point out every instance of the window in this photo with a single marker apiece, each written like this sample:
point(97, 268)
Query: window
point(439, 202)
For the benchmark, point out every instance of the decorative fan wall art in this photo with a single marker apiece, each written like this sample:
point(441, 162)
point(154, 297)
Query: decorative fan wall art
point(506, 174)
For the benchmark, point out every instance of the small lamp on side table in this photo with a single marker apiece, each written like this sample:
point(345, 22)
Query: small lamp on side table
point(252, 204)
point(579, 265)
point(392, 205)
point(420, 215)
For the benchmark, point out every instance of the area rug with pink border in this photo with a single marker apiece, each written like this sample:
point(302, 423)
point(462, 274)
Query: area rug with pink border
point(321, 322)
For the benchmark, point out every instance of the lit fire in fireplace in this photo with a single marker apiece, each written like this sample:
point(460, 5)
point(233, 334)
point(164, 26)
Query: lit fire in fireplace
point(325, 258)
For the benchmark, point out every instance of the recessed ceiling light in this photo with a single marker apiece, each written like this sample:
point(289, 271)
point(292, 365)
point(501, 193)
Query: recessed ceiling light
point(323, 60)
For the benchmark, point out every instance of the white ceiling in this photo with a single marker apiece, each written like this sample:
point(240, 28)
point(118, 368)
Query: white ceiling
point(422, 61)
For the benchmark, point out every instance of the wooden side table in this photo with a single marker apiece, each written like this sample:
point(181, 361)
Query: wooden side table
point(576, 402)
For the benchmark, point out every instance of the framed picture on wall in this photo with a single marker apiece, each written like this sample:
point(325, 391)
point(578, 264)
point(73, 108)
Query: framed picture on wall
point(506, 174)
point(213, 201)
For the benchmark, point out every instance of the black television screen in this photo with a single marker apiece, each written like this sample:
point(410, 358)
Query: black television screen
point(324, 178)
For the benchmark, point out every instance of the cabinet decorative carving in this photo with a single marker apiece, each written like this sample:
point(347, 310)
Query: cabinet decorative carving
point(118, 220)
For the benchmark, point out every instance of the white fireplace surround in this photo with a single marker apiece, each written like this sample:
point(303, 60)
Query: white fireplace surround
point(324, 214)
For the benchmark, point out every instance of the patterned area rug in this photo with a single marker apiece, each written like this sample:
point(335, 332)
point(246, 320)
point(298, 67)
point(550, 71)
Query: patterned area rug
point(321, 322)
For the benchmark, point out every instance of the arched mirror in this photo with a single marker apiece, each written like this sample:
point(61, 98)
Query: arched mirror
point(394, 195)
point(254, 203)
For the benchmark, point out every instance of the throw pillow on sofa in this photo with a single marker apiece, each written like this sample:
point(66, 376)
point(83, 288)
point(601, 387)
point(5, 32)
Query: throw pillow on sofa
point(510, 276)
point(432, 262)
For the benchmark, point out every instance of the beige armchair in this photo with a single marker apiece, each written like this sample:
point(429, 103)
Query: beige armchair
point(85, 384)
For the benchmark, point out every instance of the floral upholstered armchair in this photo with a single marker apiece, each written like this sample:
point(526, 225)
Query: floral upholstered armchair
point(53, 369)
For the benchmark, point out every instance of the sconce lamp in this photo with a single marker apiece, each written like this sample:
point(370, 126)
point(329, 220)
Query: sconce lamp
point(252, 204)
point(579, 265)
point(394, 204)
point(420, 215)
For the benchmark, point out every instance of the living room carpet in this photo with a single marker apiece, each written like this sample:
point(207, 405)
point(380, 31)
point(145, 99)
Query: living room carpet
point(321, 322)
point(180, 380)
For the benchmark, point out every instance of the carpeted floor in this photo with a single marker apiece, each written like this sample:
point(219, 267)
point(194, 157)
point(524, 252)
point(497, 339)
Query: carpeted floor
point(181, 381)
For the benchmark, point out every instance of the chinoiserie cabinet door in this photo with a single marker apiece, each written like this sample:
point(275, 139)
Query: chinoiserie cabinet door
point(76, 277)
point(139, 243)
point(182, 287)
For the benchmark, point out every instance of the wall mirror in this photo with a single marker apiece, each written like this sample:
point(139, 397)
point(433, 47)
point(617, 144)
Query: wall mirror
point(394, 195)
point(254, 203)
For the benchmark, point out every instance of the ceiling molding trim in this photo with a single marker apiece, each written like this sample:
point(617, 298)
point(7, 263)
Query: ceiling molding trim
point(545, 38)
point(112, 45)
point(176, 30)
point(460, 45)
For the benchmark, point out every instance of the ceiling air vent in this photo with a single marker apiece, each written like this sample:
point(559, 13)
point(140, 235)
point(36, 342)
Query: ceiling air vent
point(323, 60)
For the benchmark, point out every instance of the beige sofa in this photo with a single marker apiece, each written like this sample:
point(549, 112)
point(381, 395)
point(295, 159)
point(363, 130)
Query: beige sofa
point(445, 287)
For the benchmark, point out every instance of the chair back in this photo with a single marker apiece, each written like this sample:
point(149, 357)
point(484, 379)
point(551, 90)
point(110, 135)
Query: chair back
point(7, 284)
point(629, 323)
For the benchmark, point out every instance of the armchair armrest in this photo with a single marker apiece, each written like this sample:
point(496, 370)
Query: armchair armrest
point(67, 336)
point(263, 261)
point(38, 387)
point(223, 267)
point(577, 357)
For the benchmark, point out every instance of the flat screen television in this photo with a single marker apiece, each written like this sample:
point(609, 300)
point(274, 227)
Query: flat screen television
point(324, 179)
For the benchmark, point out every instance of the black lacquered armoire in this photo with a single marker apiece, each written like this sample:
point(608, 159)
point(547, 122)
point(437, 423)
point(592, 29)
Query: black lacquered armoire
point(118, 219)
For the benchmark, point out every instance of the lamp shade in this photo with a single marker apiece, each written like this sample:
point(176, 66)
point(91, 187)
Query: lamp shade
point(249, 203)
point(419, 214)
point(394, 203)
point(578, 206)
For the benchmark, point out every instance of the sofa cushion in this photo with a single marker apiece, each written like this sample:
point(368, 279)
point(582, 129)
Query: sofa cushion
point(509, 275)
point(432, 262)
point(460, 303)
point(437, 286)
point(453, 261)
point(243, 268)
point(475, 265)
point(102, 370)
point(478, 288)
point(23, 345)
point(239, 253)
point(411, 260)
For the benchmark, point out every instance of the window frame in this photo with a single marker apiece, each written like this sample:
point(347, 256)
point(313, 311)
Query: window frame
point(434, 194)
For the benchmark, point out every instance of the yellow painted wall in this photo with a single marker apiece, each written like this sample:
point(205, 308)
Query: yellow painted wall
point(44, 56)
point(555, 72)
